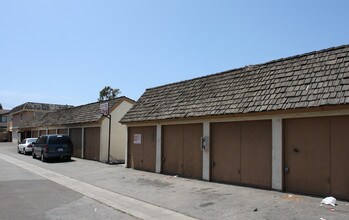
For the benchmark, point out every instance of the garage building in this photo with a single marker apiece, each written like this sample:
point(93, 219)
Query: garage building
point(280, 125)
point(87, 128)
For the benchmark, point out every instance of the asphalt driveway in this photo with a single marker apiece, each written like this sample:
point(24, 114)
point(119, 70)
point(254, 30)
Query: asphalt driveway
point(194, 198)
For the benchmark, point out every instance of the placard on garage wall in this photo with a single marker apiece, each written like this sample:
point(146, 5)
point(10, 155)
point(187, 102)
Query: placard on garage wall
point(137, 138)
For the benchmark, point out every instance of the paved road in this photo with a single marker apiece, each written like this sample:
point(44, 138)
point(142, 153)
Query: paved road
point(24, 195)
point(198, 199)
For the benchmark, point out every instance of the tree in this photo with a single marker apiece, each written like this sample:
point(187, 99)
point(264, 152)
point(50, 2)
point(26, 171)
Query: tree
point(0, 106)
point(108, 93)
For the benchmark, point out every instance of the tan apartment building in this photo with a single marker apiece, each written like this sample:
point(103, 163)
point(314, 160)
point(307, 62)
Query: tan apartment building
point(4, 118)
point(87, 128)
point(23, 113)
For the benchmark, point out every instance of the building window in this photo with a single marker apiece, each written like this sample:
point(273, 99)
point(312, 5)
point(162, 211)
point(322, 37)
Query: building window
point(3, 119)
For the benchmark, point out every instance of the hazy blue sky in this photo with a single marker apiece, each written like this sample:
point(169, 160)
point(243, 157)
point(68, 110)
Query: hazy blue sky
point(66, 51)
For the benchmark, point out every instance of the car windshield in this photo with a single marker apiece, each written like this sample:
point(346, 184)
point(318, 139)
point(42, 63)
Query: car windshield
point(59, 140)
point(31, 140)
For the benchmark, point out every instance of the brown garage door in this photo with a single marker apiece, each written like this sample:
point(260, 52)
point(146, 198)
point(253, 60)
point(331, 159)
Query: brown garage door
point(35, 133)
point(172, 150)
point(181, 150)
point(142, 148)
point(256, 148)
point(52, 131)
point(149, 148)
point(62, 131)
point(307, 155)
point(340, 157)
point(92, 143)
point(76, 138)
point(225, 150)
point(316, 155)
point(135, 149)
point(42, 132)
point(241, 153)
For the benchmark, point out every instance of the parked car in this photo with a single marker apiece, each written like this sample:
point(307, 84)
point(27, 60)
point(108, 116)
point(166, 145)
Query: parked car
point(53, 146)
point(26, 145)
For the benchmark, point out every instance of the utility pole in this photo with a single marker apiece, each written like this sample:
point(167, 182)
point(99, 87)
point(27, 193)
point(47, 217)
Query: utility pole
point(109, 117)
point(104, 109)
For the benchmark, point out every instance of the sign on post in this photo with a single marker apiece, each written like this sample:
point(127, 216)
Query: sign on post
point(104, 108)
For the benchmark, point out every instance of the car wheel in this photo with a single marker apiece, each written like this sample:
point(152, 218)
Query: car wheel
point(68, 158)
point(43, 158)
point(24, 151)
point(33, 155)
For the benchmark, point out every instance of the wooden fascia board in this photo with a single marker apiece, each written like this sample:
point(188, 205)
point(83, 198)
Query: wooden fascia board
point(288, 113)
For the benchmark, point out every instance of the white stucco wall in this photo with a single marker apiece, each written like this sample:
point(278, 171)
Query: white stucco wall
point(158, 148)
point(277, 170)
point(206, 153)
point(118, 137)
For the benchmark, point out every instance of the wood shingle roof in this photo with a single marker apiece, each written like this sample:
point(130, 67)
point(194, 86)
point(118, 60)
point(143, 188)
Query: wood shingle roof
point(76, 115)
point(313, 79)
point(39, 107)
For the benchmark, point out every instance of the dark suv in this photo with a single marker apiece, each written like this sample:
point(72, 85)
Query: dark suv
point(53, 146)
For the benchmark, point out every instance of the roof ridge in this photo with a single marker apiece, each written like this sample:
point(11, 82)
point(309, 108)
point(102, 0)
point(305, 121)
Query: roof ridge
point(200, 77)
point(254, 65)
point(42, 103)
point(305, 54)
point(92, 103)
point(89, 112)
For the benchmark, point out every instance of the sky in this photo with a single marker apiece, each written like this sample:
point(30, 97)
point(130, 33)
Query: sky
point(66, 51)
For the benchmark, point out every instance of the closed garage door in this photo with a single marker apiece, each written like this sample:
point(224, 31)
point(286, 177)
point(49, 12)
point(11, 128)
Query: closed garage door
point(62, 131)
point(181, 150)
point(307, 155)
point(340, 157)
point(225, 149)
point(76, 138)
point(316, 156)
point(241, 153)
point(172, 151)
point(52, 131)
point(42, 132)
point(142, 148)
point(35, 133)
point(92, 143)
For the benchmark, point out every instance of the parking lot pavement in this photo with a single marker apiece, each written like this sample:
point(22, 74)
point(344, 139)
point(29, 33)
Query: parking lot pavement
point(198, 199)
point(25, 195)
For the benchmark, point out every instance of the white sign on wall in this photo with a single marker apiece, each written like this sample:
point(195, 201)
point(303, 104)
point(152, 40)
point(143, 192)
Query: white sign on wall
point(137, 138)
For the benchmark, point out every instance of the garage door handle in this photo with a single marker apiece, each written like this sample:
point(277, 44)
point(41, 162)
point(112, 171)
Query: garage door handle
point(286, 169)
point(213, 164)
